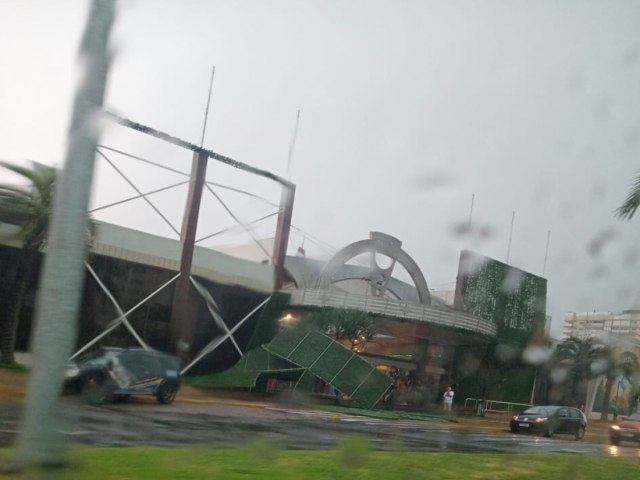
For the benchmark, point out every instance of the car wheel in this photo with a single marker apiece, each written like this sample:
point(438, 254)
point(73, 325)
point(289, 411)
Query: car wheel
point(549, 431)
point(166, 395)
point(96, 391)
point(614, 441)
point(580, 433)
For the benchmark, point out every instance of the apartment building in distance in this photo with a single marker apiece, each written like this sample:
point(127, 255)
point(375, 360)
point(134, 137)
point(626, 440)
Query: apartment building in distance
point(590, 324)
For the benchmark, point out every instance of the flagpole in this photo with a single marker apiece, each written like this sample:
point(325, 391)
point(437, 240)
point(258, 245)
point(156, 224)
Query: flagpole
point(513, 216)
point(292, 145)
point(206, 112)
point(546, 253)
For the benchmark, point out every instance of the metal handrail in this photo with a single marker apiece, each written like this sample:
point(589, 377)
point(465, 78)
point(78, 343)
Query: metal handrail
point(385, 306)
point(474, 405)
point(491, 406)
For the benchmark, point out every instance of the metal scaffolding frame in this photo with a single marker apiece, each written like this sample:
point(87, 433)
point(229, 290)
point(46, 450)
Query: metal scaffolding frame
point(212, 306)
point(181, 323)
point(216, 342)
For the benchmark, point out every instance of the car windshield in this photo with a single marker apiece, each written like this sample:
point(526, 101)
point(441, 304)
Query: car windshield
point(539, 411)
point(98, 357)
point(144, 364)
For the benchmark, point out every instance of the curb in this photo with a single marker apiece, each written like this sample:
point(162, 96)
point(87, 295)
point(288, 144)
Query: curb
point(18, 393)
point(222, 401)
point(10, 391)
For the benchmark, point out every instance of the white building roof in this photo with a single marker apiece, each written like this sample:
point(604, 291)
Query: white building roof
point(147, 249)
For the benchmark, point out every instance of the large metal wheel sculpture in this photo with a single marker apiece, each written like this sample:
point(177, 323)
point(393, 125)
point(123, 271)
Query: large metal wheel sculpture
point(378, 277)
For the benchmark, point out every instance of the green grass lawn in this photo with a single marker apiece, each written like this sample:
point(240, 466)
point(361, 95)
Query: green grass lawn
point(353, 460)
point(14, 367)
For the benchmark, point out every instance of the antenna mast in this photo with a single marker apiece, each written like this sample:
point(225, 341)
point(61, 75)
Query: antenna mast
point(546, 253)
point(292, 145)
point(206, 112)
point(473, 196)
point(513, 216)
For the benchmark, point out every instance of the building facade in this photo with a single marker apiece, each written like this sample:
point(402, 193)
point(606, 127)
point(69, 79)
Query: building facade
point(593, 324)
point(130, 288)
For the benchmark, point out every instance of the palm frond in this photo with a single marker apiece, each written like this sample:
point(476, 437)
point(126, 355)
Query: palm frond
point(28, 206)
point(631, 203)
point(15, 209)
point(34, 170)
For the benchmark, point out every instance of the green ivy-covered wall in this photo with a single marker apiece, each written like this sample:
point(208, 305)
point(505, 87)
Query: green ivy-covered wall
point(514, 300)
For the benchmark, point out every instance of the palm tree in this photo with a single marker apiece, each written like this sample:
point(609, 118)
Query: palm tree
point(352, 325)
point(624, 365)
point(27, 207)
point(585, 359)
point(632, 202)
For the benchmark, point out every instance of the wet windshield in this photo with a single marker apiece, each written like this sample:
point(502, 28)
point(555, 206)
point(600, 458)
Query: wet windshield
point(101, 356)
point(421, 208)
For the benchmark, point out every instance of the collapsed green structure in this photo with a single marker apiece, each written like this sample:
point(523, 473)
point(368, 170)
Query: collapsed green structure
point(304, 354)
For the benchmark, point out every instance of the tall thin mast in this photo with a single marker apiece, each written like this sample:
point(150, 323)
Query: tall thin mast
point(473, 196)
point(206, 112)
point(546, 253)
point(513, 216)
point(292, 145)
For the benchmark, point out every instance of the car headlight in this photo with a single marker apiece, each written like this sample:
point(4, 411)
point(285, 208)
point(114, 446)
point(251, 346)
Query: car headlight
point(541, 419)
point(615, 427)
point(72, 371)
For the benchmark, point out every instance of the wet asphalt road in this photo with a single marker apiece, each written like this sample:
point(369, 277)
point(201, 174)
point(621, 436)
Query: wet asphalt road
point(146, 423)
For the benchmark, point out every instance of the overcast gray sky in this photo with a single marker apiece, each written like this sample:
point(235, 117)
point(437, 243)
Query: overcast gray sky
point(407, 109)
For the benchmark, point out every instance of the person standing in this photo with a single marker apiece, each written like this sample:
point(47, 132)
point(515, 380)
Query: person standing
point(447, 399)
